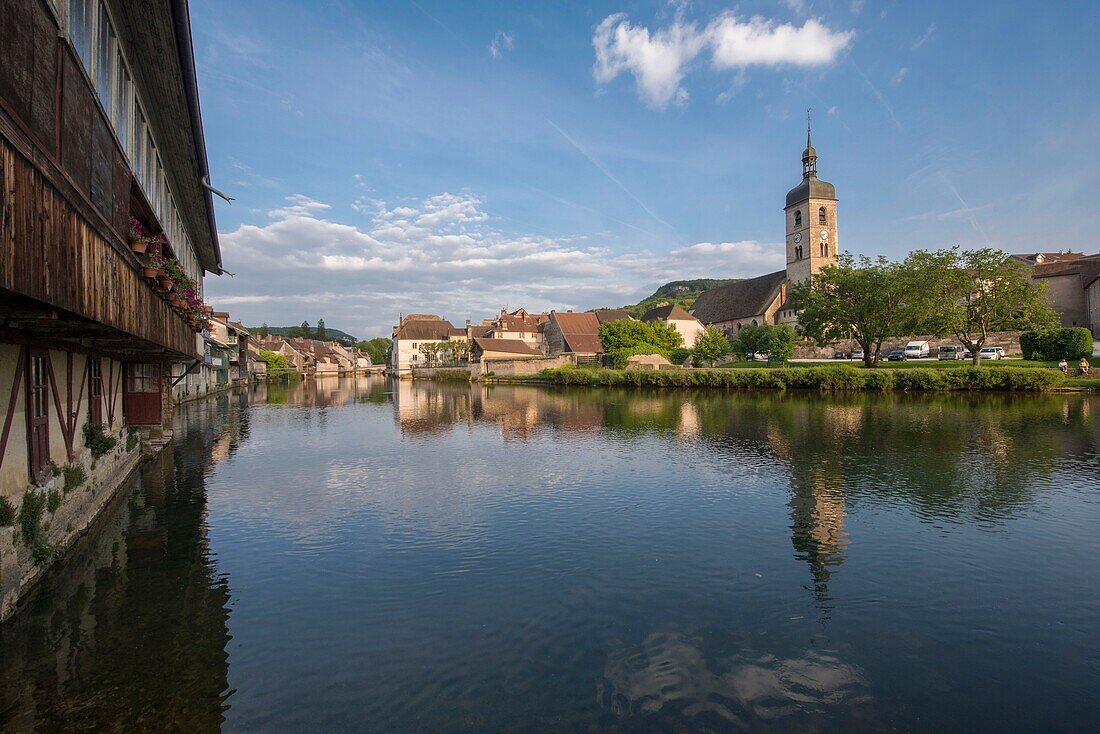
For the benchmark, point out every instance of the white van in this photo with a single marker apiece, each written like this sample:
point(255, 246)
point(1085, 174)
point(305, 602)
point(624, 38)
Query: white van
point(917, 350)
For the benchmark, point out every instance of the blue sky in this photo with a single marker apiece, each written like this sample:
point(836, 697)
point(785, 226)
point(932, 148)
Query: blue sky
point(460, 157)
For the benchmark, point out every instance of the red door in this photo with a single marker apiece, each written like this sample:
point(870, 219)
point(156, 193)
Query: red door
point(38, 416)
point(95, 392)
point(141, 394)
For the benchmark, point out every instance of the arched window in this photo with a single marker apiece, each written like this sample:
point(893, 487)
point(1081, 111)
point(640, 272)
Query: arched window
point(739, 325)
point(798, 253)
point(798, 218)
point(754, 322)
point(822, 217)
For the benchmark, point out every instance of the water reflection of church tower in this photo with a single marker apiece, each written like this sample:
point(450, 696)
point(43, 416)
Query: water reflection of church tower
point(810, 439)
point(817, 525)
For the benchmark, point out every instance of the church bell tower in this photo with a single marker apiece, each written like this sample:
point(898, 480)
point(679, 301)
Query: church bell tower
point(811, 220)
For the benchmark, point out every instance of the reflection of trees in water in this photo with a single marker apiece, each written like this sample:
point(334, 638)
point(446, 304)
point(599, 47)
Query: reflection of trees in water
point(668, 681)
point(130, 633)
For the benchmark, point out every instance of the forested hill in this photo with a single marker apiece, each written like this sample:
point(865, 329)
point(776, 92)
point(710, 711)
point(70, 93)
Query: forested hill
point(681, 292)
point(331, 334)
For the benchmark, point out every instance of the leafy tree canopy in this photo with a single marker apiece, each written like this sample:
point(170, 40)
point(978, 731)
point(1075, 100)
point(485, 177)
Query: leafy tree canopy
point(628, 334)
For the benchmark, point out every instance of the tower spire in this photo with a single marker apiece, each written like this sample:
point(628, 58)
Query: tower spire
point(809, 156)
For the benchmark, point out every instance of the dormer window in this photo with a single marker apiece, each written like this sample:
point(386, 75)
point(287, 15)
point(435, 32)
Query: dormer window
point(822, 217)
point(798, 218)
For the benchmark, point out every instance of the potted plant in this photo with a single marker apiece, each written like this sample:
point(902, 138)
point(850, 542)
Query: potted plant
point(153, 265)
point(135, 234)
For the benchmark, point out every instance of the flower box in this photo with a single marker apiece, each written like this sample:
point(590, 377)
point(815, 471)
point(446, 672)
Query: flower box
point(149, 272)
point(166, 283)
point(139, 246)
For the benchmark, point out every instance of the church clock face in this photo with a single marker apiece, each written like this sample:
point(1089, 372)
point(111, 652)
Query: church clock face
point(824, 234)
point(797, 238)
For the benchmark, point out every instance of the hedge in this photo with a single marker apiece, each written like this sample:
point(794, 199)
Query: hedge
point(1050, 344)
point(819, 378)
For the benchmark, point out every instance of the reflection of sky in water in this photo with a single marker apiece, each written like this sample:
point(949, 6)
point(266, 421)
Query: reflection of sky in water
point(425, 557)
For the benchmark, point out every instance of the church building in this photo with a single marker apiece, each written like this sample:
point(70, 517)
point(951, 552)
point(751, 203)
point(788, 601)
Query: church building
point(811, 245)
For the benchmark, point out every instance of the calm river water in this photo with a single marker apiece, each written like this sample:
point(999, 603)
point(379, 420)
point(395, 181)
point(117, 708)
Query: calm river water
point(396, 557)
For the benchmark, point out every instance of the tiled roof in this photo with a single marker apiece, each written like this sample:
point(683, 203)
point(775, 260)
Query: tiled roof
point(671, 312)
point(1042, 258)
point(512, 346)
point(581, 332)
point(739, 300)
point(430, 329)
point(607, 315)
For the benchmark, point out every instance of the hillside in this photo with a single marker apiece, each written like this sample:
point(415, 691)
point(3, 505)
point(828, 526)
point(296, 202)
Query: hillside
point(681, 292)
point(296, 331)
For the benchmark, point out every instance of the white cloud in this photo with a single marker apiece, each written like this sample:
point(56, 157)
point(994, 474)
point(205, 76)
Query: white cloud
point(659, 59)
point(900, 76)
point(739, 44)
point(501, 43)
point(442, 254)
point(926, 37)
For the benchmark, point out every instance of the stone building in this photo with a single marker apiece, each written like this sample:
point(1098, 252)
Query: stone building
point(100, 132)
point(1069, 278)
point(812, 243)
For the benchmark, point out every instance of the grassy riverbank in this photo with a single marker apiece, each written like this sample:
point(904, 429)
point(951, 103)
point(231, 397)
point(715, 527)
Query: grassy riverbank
point(813, 377)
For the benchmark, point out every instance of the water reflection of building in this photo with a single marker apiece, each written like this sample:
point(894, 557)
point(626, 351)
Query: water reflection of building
point(811, 442)
point(131, 635)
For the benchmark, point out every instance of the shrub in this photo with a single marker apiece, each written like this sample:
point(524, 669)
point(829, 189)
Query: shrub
point(1062, 343)
point(453, 375)
point(628, 334)
point(74, 477)
point(679, 355)
point(97, 439)
point(30, 525)
point(53, 501)
point(7, 512)
point(132, 438)
point(618, 358)
point(819, 378)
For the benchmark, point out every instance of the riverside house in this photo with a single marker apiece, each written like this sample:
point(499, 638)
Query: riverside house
point(675, 316)
point(519, 324)
point(106, 231)
point(413, 331)
point(572, 333)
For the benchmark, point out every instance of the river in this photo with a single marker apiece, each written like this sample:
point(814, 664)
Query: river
point(367, 555)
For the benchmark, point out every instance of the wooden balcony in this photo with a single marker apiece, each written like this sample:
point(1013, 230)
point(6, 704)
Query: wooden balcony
point(67, 279)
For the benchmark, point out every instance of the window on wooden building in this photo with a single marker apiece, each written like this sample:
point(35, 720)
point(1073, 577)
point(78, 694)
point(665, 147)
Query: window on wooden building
point(95, 392)
point(38, 416)
point(103, 71)
point(123, 104)
point(80, 29)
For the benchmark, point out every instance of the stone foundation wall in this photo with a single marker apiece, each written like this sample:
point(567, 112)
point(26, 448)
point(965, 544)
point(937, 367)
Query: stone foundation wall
point(518, 367)
point(75, 511)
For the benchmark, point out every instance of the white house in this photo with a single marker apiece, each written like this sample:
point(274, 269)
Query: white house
point(689, 327)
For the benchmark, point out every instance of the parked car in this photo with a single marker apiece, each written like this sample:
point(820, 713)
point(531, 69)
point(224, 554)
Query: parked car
point(759, 357)
point(840, 355)
point(951, 351)
point(917, 350)
point(992, 353)
point(967, 354)
point(897, 355)
point(857, 354)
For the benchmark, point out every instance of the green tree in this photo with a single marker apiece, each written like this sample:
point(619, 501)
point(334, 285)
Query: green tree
point(321, 333)
point(378, 349)
point(305, 330)
point(264, 331)
point(780, 342)
point(710, 346)
point(629, 334)
point(750, 339)
point(277, 364)
point(866, 300)
point(972, 293)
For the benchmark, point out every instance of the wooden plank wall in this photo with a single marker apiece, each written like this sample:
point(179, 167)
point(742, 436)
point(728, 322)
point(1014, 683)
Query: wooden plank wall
point(66, 188)
point(49, 252)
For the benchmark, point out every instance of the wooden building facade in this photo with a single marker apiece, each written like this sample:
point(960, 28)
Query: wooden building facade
point(100, 133)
